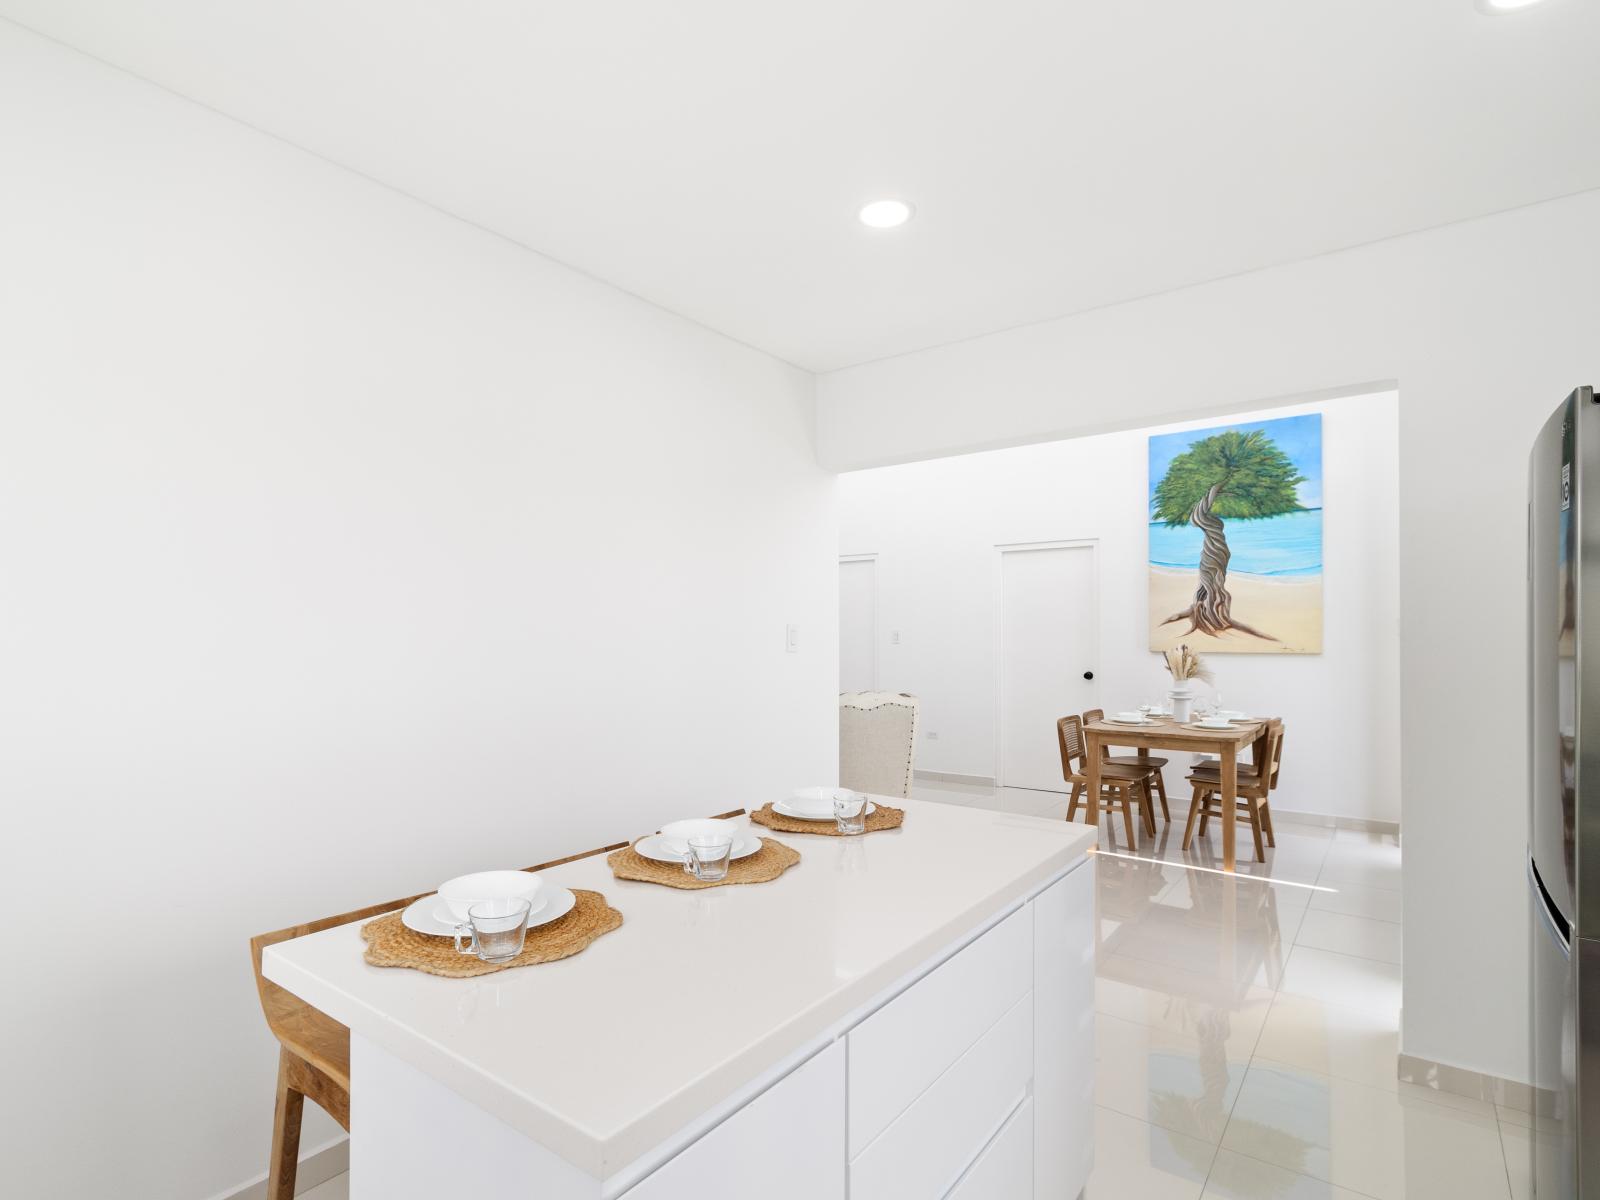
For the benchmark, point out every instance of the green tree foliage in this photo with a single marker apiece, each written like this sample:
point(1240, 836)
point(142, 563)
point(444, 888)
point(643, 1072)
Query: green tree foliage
point(1252, 476)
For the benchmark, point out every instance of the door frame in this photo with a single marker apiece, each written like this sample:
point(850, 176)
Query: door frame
point(1001, 549)
point(877, 633)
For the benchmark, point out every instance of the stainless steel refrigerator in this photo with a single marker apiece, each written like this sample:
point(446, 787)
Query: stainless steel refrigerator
point(1564, 798)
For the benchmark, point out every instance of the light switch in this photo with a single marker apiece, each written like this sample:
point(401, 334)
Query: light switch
point(791, 640)
point(894, 638)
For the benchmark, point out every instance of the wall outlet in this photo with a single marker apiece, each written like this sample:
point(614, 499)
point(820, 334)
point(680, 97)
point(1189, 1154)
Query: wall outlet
point(932, 735)
point(894, 638)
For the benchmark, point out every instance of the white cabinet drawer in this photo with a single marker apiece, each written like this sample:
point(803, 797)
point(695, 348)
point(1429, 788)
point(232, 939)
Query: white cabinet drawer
point(786, 1144)
point(912, 1040)
point(922, 1154)
point(1004, 1171)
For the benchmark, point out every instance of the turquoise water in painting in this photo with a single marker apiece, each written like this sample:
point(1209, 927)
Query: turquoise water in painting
point(1286, 545)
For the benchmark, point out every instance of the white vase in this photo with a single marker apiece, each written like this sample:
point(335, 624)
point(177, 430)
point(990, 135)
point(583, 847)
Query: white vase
point(1182, 697)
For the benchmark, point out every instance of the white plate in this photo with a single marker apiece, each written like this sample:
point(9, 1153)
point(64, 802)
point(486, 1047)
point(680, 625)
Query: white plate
point(663, 849)
point(783, 808)
point(423, 916)
point(1219, 726)
point(1122, 721)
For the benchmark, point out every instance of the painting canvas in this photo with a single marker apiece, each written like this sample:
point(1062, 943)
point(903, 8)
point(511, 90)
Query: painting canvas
point(1236, 538)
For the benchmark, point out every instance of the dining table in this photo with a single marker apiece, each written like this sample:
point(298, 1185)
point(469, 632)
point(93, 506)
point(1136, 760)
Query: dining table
point(1168, 733)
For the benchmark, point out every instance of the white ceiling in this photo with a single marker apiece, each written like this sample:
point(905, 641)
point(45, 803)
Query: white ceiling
point(710, 155)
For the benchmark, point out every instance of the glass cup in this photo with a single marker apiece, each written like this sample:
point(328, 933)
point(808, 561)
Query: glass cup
point(707, 857)
point(850, 811)
point(494, 929)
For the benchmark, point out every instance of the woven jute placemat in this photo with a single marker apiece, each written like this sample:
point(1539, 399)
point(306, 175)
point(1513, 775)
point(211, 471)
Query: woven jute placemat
point(765, 865)
point(883, 818)
point(391, 944)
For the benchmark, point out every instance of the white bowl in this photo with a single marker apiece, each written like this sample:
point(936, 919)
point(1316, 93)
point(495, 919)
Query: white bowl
point(1130, 716)
point(677, 833)
point(462, 892)
point(817, 801)
point(1214, 723)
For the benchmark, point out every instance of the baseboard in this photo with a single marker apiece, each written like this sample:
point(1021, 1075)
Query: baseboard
point(1330, 821)
point(953, 777)
point(1459, 1081)
point(319, 1166)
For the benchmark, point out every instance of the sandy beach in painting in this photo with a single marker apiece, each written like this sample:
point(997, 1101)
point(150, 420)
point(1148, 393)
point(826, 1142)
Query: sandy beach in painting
point(1288, 608)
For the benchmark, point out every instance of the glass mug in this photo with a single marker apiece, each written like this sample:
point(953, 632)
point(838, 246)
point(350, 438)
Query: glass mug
point(707, 857)
point(850, 811)
point(494, 929)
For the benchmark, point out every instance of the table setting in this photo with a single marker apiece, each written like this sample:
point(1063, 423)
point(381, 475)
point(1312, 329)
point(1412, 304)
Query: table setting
point(489, 921)
point(696, 854)
point(839, 812)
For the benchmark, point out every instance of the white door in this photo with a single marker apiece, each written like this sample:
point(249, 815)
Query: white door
point(858, 625)
point(1048, 643)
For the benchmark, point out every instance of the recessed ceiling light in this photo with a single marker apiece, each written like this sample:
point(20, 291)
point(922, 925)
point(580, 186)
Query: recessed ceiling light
point(1496, 7)
point(886, 214)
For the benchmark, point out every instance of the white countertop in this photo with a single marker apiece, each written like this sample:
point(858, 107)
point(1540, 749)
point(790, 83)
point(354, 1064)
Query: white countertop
point(603, 1056)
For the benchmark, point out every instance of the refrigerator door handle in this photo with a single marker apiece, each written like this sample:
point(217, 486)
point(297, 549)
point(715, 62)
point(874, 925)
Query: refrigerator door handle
point(1548, 916)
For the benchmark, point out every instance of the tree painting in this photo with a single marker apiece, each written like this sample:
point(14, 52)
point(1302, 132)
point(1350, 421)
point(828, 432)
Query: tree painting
point(1238, 479)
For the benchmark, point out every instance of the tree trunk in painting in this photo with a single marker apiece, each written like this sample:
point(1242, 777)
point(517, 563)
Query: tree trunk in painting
point(1211, 611)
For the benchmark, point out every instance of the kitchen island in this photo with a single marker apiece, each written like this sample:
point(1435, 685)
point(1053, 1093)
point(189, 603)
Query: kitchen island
point(906, 1014)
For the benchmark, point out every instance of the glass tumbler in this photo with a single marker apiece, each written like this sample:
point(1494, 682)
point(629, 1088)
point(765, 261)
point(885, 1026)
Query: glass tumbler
point(850, 811)
point(707, 857)
point(494, 930)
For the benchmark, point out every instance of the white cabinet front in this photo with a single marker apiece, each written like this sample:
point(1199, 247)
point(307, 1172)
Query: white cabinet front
point(786, 1144)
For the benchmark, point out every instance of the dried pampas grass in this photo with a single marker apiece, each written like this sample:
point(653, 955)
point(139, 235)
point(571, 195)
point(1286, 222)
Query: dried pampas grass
point(1183, 663)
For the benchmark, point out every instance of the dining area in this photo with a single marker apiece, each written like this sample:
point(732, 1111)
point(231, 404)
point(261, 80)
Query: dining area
point(1234, 766)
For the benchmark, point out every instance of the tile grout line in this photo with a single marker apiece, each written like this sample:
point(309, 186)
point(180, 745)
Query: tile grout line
point(1505, 1155)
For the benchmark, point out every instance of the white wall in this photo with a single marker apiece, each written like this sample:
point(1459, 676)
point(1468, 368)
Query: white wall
point(1486, 326)
point(935, 525)
point(346, 547)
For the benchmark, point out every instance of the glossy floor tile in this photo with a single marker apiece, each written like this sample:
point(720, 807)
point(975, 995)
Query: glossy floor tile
point(1247, 1028)
point(1134, 1160)
point(1365, 1139)
point(337, 1188)
point(1346, 934)
point(1353, 901)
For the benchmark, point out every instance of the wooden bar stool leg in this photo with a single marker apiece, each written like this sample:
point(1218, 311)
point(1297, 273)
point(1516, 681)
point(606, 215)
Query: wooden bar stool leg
point(286, 1115)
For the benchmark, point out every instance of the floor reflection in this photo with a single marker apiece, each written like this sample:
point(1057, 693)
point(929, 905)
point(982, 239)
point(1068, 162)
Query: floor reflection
point(1247, 1026)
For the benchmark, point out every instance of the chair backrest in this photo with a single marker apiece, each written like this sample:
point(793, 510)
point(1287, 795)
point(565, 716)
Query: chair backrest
point(1089, 718)
point(877, 742)
point(1069, 733)
point(1274, 754)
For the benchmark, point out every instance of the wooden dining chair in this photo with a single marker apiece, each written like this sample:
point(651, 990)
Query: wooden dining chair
point(314, 1049)
point(1254, 785)
point(1153, 762)
point(1119, 785)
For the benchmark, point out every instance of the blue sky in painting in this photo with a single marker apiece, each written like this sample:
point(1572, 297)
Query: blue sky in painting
point(1298, 437)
